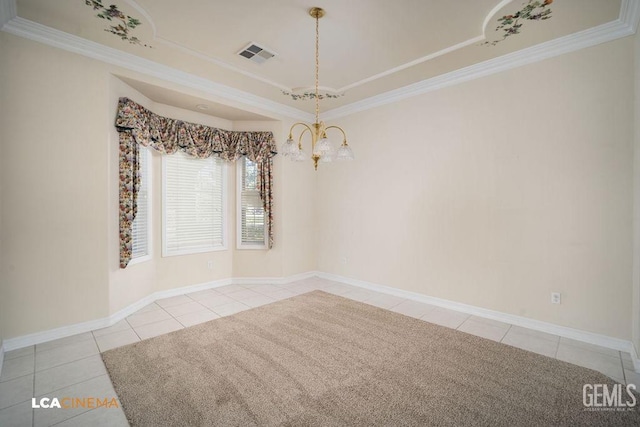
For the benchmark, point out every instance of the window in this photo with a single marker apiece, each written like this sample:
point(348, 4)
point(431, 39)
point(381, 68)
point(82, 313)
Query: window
point(251, 219)
point(193, 204)
point(141, 226)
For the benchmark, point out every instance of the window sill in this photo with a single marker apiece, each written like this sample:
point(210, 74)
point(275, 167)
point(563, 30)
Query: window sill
point(193, 251)
point(139, 260)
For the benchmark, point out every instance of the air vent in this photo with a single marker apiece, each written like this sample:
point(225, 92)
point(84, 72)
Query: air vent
point(256, 53)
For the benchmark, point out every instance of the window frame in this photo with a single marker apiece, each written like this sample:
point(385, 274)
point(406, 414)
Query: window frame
point(146, 152)
point(239, 178)
point(223, 209)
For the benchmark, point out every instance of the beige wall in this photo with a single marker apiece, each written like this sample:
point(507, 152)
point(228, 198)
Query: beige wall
point(496, 192)
point(59, 209)
point(54, 175)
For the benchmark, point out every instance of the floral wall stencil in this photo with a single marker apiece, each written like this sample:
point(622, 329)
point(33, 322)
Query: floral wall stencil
point(533, 10)
point(310, 95)
point(123, 28)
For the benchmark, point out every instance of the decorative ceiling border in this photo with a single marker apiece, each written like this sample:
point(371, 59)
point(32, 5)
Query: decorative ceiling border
point(196, 53)
point(41, 33)
point(158, 38)
point(624, 26)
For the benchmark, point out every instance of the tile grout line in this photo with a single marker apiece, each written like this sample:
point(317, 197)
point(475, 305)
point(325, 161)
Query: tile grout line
point(57, 366)
point(505, 334)
point(75, 416)
point(61, 345)
point(555, 355)
point(74, 384)
point(134, 331)
point(624, 374)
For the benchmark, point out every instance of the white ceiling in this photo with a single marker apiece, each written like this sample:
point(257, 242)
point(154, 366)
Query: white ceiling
point(367, 47)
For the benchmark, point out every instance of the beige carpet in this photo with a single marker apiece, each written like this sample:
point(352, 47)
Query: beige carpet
point(322, 360)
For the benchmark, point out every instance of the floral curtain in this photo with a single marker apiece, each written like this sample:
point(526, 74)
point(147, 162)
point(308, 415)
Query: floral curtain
point(137, 125)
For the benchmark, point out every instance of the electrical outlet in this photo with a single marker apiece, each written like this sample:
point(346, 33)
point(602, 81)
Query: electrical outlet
point(210, 265)
point(555, 297)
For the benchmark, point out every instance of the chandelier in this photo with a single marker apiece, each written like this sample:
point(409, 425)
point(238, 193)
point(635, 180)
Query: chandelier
point(321, 148)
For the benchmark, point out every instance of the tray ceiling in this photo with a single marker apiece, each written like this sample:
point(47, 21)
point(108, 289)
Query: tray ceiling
point(367, 47)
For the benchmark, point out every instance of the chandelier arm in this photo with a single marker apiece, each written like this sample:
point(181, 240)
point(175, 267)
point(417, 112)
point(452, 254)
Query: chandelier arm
point(301, 135)
point(341, 130)
point(296, 124)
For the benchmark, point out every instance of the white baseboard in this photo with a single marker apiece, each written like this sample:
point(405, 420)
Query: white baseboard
point(563, 331)
point(130, 309)
point(78, 328)
point(273, 280)
point(1, 357)
point(538, 325)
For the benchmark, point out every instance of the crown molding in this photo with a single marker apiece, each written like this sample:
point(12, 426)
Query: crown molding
point(159, 39)
point(219, 62)
point(630, 14)
point(624, 26)
point(37, 32)
point(8, 11)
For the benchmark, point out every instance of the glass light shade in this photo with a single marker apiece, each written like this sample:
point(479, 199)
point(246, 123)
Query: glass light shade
point(289, 148)
point(324, 146)
point(328, 157)
point(299, 156)
point(344, 153)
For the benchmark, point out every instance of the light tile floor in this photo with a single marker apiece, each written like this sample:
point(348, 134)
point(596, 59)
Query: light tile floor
point(72, 367)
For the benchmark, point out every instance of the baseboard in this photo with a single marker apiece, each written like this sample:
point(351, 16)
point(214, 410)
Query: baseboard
point(538, 325)
point(563, 331)
point(273, 280)
point(130, 309)
point(79, 328)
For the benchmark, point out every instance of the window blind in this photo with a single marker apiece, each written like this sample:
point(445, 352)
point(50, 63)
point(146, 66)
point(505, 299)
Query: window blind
point(140, 226)
point(193, 205)
point(252, 219)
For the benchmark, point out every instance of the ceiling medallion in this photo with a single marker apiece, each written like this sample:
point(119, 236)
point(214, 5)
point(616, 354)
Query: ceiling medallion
point(321, 148)
point(303, 96)
point(534, 10)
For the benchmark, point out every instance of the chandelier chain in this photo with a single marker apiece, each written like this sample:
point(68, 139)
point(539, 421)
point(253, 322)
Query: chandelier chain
point(317, 66)
point(321, 148)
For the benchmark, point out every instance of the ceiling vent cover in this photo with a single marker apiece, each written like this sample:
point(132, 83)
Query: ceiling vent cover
point(255, 53)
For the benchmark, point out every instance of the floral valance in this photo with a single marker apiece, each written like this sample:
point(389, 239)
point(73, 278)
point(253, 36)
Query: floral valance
point(137, 125)
point(170, 135)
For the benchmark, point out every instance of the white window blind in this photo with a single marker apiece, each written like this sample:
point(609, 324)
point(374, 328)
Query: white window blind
point(140, 228)
point(193, 204)
point(251, 221)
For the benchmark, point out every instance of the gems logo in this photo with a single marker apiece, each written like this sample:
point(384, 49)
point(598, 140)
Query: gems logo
point(604, 397)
